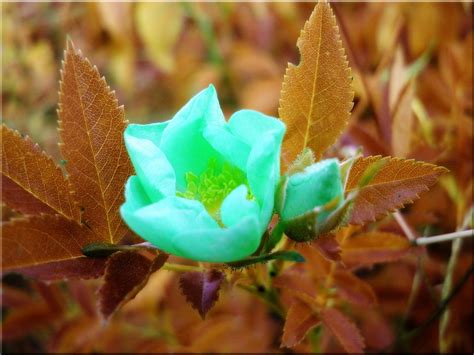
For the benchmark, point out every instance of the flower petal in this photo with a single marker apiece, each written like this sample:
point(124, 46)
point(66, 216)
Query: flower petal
point(152, 167)
point(161, 222)
point(182, 140)
point(264, 134)
point(151, 131)
point(263, 171)
point(317, 185)
point(135, 195)
point(220, 245)
point(228, 145)
point(250, 126)
point(237, 206)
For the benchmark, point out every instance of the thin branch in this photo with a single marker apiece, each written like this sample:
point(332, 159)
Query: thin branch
point(444, 237)
point(447, 286)
point(404, 225)
point(443, 304)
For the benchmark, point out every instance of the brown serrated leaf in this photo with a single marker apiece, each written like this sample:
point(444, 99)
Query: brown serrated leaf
point(31, 182)
point(374, 247)
point(126, 273)
point(77, 268)
point(397, 183)
point(344, 329)
point(42, 239)
point(91, 128)
point(316, 96)
point(300, 319)
point(201, 289)
point(353, 289)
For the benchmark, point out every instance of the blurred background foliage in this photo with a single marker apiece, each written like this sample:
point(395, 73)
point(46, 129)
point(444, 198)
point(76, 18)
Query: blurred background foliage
point(157, 55)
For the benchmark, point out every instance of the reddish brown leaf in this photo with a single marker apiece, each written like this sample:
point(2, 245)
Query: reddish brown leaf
point(27, 319)
point(201, 289)
point(91, 128)
point(125, 275)
point(371, 144)
point(374, 247)
point(77, 268)
point(377, 332)
point(353, 289)
point(344, 329)
point(31, 182)
point(42, 239)
point(52, 295)
point(397, 183)
point(300, 319)
point(83, 296)
point(13, 297)
point(328, 246)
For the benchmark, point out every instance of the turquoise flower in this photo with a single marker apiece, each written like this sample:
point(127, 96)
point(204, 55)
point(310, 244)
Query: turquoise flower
point(204, 188)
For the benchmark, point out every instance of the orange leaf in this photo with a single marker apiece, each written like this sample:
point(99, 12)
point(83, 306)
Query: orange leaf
point(42, 239)
point(300, 319)
point(126, 274)
point(353, 289)
point(397, 183)
point(297, 282)
point(91, 128)
point(31, 182)
point(402, 123)
point(344, 329)
point(374, 247)
point(316, 97)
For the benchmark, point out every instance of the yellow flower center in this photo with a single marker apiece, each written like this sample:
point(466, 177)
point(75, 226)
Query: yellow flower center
point(213, 185)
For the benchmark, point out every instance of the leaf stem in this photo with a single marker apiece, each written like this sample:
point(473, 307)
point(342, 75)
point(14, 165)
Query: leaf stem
point(444, 237)
point(181, 267)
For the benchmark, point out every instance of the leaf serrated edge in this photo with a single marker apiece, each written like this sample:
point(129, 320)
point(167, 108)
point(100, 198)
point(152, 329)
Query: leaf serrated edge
point(189, 300)
point(155, 265)
point(291, 66)
point(70, 48)
point(437, 171)
point(27, 218)
point(43, 153)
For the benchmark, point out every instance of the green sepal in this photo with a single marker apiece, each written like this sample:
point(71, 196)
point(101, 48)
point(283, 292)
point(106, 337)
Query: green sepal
point(280, 193)
point(302, 161)
point(346, 167)
point(305, 227)
point(275, 237)
point(102, 250)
